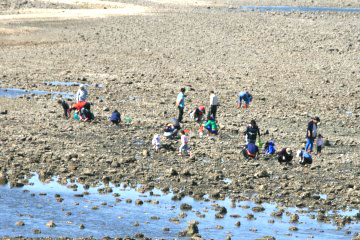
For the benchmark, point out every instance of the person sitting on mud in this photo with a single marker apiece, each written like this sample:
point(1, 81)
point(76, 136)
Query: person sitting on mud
point(250, 151)
point(65, 107)
point(270, 148)
point(251, 132)
point(211, 126)
point(246, 97)
point(171, 129)
point(86, 115)
point(198, 114)
point(82, 94)
point(285, 155)
point(115, 117)
point(184, 147)
point(304, 156)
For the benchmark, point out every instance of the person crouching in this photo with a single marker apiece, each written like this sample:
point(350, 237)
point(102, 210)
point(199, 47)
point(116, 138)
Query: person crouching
point(285, 155)
point(250, 151)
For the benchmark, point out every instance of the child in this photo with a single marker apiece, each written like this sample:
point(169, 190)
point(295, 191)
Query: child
point(156, 142)
point(201, 131)
point(184, 144)
point(115, 117)
point(319, 144)
point(211, 126)
point(65, 107)
point(305, 157)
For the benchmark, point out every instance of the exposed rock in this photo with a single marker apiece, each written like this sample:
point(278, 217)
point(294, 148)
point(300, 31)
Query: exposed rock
point(51, 224)
point(20, 223)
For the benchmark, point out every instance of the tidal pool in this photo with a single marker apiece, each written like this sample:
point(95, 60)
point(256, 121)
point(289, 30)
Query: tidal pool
point(108, 215)
point(15, 92)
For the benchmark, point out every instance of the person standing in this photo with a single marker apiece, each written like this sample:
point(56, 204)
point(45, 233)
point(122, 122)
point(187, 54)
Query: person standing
point(82, 94)
point(319, 144)
point(251, 132)
point(311, 134)
point(180, 103)
point(214, 103)
point(184, 148)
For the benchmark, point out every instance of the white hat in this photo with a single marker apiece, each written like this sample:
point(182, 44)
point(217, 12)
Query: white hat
point(82, 86)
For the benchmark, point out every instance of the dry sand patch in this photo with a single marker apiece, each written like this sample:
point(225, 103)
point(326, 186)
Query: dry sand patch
point(8, 31)
point(94, 9)
point(92, 3)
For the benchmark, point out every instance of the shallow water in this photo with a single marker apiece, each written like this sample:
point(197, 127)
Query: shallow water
point(70, 84)
point(15, 92)
point(118, 218)
point(293, 9)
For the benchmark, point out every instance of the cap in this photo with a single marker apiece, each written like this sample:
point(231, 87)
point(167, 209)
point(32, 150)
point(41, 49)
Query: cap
point(288, 151)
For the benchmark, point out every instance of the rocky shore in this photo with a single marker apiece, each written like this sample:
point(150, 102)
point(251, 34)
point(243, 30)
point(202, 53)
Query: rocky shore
point(296, 65)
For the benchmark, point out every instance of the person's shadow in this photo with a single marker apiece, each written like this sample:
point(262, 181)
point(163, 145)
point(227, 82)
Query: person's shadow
point(168, 147)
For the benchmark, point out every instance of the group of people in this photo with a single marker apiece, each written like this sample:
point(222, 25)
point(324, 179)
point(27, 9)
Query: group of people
point(251, 133)
point(207, 122)
point(285, 155)
point(81, 107)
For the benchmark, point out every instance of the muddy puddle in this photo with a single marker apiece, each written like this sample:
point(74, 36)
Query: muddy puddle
point(117, 215)
point(15, 92)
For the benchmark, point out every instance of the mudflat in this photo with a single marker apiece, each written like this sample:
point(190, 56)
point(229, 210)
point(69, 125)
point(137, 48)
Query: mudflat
point(296, 64)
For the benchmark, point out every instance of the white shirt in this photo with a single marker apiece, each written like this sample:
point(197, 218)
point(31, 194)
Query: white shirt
point(214, 100)
point(156, 140)
point(184, 139)
point(81, 95)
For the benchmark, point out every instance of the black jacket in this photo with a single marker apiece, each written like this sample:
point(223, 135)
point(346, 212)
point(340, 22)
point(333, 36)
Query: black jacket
point(251, 132)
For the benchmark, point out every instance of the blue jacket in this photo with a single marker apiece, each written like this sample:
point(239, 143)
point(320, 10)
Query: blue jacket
point(115, 116)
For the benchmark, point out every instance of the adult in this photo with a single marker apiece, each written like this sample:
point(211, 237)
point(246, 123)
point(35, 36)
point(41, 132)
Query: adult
point(198, 114)
point(246, 97)
point(252, 131)
point(115, 117)
point(180, 103)
point(250, 151)
point(311, 134)
point(211, 126)
point(304, 156)
point(82, 94)
point(285, 155)
point(214, 103)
